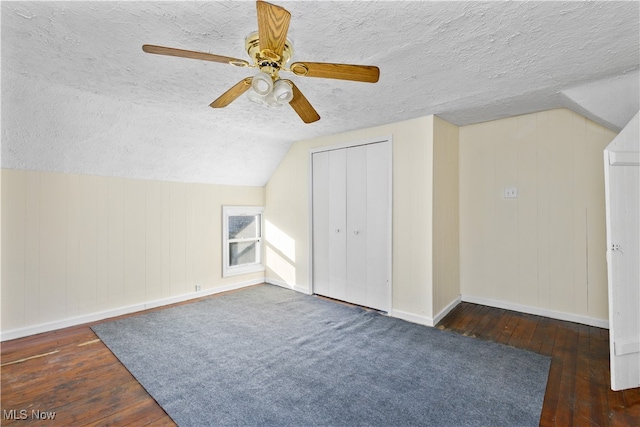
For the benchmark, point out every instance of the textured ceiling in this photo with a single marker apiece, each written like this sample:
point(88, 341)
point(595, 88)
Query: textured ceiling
point(79, 95)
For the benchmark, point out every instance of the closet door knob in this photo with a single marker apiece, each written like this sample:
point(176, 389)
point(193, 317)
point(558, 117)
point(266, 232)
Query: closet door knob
point(337, 230)
point(356, 232)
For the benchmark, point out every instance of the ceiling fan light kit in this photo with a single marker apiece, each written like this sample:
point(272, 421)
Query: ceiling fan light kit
point(270, 51)
point(281, 94)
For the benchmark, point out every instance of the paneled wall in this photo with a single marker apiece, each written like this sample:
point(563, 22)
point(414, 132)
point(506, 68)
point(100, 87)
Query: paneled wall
point(545, 249)
point(76, 245)
point(419, 163)
point(446, 235)
point(287, 214)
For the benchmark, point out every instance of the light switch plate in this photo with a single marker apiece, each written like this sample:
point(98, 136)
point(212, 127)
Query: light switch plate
point(511, 193)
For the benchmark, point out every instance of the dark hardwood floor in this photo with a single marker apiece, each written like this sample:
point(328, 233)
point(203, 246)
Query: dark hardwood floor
point(579, 387)
point(72, 373)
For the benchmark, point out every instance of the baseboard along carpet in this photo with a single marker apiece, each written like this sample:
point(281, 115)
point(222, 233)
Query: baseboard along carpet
point(269, 356)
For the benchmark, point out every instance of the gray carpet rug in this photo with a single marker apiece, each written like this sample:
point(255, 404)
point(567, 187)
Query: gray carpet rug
point(268, 356)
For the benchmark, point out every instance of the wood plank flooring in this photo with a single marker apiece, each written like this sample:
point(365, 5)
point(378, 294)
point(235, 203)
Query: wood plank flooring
point(72, 373)
point(579, 388)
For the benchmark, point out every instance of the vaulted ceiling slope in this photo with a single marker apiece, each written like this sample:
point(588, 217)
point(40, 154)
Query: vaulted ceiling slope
point(79, 95)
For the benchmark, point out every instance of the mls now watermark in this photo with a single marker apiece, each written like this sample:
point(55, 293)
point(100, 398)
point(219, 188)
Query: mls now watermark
point(23, 414)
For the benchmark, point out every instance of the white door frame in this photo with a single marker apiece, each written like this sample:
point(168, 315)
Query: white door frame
point(388, 139)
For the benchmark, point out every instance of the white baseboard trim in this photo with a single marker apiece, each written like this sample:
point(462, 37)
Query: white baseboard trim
point(286, 285)
point(446, 310)
point(114, 312)
point(424, 320)
point(413, 318)
point(569, 317)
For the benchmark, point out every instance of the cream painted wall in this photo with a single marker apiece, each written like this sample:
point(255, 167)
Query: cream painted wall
point(544, 251)
point(77, 245)
point(446, 235)
point(288, 222)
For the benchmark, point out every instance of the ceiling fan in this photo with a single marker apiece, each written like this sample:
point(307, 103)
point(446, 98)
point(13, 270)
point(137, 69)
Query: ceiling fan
point(270, 51)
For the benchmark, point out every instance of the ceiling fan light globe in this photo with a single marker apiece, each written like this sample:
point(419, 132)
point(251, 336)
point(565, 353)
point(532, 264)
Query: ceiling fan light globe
point(254, 97)
point(271, 101)
point(262, 84)
point(282, 92)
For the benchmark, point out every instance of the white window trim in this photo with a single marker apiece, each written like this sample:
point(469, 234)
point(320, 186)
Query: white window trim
point(228, 211)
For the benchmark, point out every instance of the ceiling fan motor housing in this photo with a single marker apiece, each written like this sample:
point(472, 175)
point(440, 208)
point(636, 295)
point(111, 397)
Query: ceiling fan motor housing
point(268, 61)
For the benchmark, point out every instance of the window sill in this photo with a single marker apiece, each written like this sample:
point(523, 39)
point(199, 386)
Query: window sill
point(244, 269)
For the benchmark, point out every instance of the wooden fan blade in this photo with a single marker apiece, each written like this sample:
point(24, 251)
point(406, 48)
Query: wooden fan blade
point(169, 51)
point(273, 24)
point(229, 96)
point(326, 70)
point(302, 106)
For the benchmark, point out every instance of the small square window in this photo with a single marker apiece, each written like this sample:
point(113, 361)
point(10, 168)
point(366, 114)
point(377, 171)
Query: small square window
point(242, 240)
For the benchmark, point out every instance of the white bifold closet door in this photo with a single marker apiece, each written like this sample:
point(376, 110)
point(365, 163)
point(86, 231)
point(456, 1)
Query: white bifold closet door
point(351, 224)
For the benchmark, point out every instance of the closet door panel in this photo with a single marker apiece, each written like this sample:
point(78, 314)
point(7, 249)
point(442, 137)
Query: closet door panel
point(357, 224)
point(321, 226)
point(378, 239)
point(338, 226)
point(351, 224)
